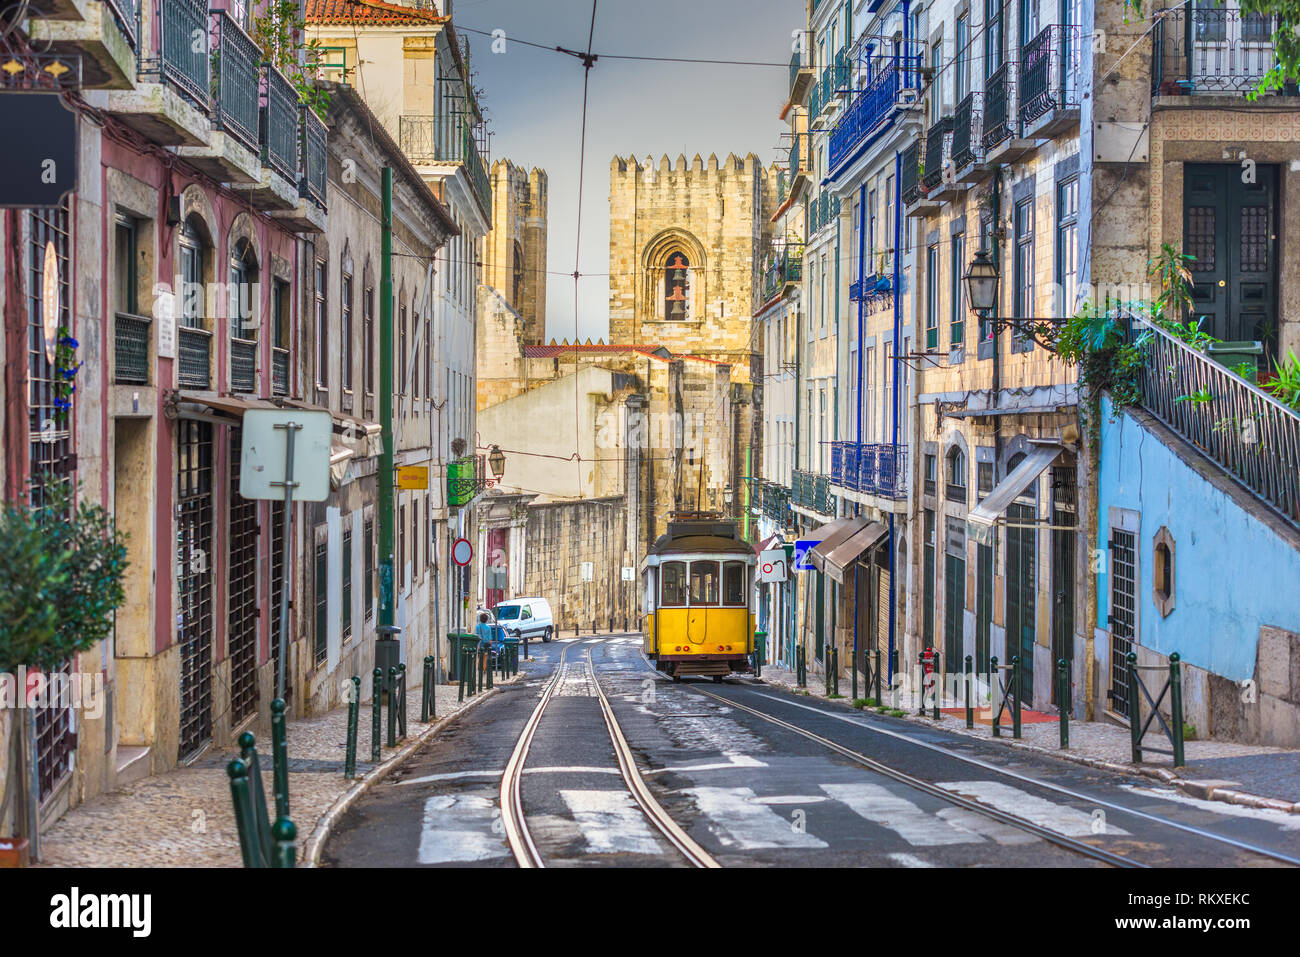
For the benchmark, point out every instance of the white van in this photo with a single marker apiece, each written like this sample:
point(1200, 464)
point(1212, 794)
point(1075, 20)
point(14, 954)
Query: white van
point(526, 616)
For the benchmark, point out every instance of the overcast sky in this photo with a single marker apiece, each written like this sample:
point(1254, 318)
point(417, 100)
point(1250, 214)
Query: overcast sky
point(533, 98)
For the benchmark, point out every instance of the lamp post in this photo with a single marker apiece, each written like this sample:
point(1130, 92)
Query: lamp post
point(982, 283)
point(727, 496)
point(497, 462)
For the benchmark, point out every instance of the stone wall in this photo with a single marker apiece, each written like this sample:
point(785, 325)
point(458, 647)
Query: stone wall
point(514, 252)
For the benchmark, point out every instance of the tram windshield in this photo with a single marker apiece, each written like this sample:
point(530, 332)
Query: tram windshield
point(672, 584)
point(704, 583)
point(733, 584)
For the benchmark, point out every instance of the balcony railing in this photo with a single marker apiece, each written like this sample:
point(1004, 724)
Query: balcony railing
point(910, 183)
point(1049, 73)
point(127, 15)
point(999, 106)
point(194, 358)
point(938, 142)
point(871, 106)
point(131, 349)
point(795, 158)
point(813, 492)
point(429, 140)
point(823, 209)
point(870, 468)
point(185, 47)
point(235, 83)
point(776, 504)
point(466, 478)
point(786, 268)
point(1227, 409)
point(966, 121)
point(280, 371)
point(1215, 50)
point(311, 160)
point(243, 365)
point(280, 117)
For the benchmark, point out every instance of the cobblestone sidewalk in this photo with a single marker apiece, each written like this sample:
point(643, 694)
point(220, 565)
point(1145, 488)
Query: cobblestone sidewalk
point(184, 818)
point(1246, 774)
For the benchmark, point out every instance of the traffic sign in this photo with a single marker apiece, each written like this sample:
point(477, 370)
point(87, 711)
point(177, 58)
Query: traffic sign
point(462, 552)
point(413, 477)
point(802, 547)
point(773, 566)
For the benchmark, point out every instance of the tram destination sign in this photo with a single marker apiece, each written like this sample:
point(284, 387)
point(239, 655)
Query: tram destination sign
point(38, 166)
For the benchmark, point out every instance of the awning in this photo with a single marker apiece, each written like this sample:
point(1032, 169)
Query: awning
point(366, 434)
point(770, 542)
point(840, 557)
point(840, 530)
point(986, 514)
point(227, 406)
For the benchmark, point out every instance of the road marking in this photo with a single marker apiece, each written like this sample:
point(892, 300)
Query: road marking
point(1285, 821)
point(1055, 817)
point(908, 860)
point(451, 776)
point(882, 806)
point(571, 770)
point(993, 829)
point(747, 825)
point(458, 828)
point(611, 822)
point(736, 761)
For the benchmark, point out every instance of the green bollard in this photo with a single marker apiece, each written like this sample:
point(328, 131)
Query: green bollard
point(920, 667)
point(760, 652)
point(248, 754)
point(970, 702)
point(876, 677)
point(487, 668)
point(286, 851)
point(1063, 699)
point(1134, 708)
point(401, 704)
point(240, 795)
point(835, 669)
point(426, 689)
point(938, 682)
point(376, 719)
point(1015, 696)
point(354, 715)
point(280, 758)
point(460, 674)
point(392, 707)
point(995, 688)
point(1176, 705)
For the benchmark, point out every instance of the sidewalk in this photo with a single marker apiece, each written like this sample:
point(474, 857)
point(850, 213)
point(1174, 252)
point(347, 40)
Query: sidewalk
point(184, 818)
point(1244, 774)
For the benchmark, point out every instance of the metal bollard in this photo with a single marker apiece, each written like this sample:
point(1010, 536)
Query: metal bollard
point(760, 652)
point(525, 640)
point(1063, 699)
point(487, 667)
point(354, 714)
point(970, 702)
point(1176, 705)
point(1015, 696)
point(392, 707)
point(876, 676)
point(260, 819)
point(286, 851)
point(279, 758)
point(401, 703)
point(241, 796)
point(835, 670)
point(995, 690)
point(937, 671)
point(1134, 708)
point(920, 685)
point(376, 727)
point(426, 688)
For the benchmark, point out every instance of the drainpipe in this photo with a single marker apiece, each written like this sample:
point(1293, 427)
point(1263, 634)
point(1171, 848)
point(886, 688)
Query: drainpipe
point(863, 213)
point(893, 388)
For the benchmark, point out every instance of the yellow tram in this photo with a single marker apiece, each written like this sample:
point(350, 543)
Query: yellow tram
point(699, 585)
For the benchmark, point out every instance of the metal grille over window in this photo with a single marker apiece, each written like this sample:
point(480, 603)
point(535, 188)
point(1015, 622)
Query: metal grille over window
point(243, 613)
point(194, 617)
point(322, 601)
point(1123, 602)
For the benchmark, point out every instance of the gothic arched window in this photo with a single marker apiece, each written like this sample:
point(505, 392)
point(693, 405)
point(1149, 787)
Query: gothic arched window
point(517, 278)
point(677, 287)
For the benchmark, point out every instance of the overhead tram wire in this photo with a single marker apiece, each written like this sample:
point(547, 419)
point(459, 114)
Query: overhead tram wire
point(555, 48)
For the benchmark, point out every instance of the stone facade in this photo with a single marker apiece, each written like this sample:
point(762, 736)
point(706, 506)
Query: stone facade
point(514, 252)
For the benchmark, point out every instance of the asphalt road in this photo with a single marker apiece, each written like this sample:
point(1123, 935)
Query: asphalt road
point(753, 793)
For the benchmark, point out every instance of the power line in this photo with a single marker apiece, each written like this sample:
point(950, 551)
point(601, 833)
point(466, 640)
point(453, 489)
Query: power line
point(555, 48)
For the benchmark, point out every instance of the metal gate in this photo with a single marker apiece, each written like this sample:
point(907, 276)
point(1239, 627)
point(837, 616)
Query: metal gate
point(242, 590)
point(194, 581)
point(1022, 558)
point(277, 590)
point(1064, 518)
point(1123, 594)
point(983, 606)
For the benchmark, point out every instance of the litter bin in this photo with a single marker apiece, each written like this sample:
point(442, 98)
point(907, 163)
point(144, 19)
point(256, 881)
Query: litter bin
point(456, 645)
point(1234, 354)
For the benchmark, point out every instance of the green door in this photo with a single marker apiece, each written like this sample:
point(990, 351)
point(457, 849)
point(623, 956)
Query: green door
point(954, 603)
point(1021, 557)
point(1064, 518)
point(927, 604)
point(821, 615)
point(983, 606)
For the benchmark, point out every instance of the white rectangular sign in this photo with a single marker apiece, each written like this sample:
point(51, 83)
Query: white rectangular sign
point(262, 458)
point(588, 571)
point(773, 566)
point(629, 574)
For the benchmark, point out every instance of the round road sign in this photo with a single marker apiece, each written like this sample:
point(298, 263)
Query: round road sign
point(462, 552)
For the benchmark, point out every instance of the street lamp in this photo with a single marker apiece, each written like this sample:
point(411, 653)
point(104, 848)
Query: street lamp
point(982, 283)
point(497, 461)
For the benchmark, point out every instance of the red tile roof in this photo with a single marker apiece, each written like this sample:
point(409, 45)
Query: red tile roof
point(553, 351)
point(367, 12)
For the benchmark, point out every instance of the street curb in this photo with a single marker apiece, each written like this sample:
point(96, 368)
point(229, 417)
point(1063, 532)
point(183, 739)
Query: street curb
point(315, 843)
point(1189, 787)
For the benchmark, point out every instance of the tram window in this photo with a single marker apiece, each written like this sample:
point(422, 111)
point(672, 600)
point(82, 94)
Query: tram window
point(733, 583)
point(704, 583)
point(672, 584)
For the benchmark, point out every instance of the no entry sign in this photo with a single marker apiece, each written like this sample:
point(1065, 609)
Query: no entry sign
point(462, 552)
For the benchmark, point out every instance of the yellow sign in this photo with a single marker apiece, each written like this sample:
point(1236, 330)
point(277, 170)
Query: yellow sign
point(413, 477)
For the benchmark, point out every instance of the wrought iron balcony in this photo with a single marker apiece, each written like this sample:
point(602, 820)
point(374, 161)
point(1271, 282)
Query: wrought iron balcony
point(776, 504)
point(870, 468)
point(1049, 74)
point(235, 84)
point(131, 349)
point(1268, 466)
point(938, 141)
point(785, 269)
point(280, 371)
point(801, 75)
point(243, 365)
point(466, 479)
point(966, 145)
point(796, 160)
point(812, 492)
point(999, 106)
point(279, 123)
point(184, 62)
point(127, 15)
point(911, 176)
point(1212, 50)
point(194, 358)
point(432, 140)
point(870, 107)
point(312, 157)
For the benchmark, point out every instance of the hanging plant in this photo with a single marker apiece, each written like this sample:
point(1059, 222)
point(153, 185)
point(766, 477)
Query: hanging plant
point(66, 368)
point(279, 31)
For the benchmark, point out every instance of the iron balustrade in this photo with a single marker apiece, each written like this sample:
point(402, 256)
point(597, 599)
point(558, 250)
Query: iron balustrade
point(999, 106)
point(280, 371)
point(1244, 430)
point(430, 140)
point(127, 15)
point(1049, 72)
point(312, 157)
point(911, 177)
point(776, 504)
point(243, 365)
point(966, 145)
point(131, 336)
point(938, 141)
point(1212, 50)
point(235, 86)
point(871, 106)
point(878, 469)
point(786, 268)
point(194, 357)
point(184, 48)
point(280, 116)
